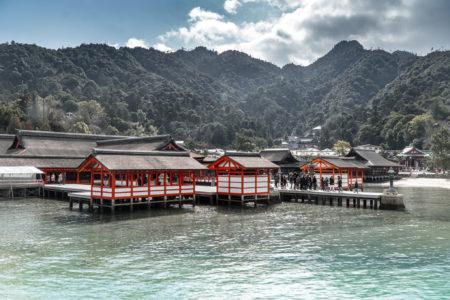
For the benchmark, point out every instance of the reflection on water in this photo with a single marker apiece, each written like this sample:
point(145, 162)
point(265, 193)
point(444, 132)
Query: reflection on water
point(293, 250)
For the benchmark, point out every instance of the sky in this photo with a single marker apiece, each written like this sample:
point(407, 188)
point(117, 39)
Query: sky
point(278, 31)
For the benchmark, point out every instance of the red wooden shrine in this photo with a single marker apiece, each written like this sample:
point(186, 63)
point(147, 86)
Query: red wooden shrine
point(242, 174)
point(125, 184)
point(349, 170)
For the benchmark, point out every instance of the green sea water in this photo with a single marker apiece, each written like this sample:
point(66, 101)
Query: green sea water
point(289, 250)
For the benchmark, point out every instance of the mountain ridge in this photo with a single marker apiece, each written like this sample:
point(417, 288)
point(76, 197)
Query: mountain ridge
point(204, 96)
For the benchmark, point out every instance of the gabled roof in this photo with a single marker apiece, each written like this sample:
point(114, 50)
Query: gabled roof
point(371, 158)
point(278, 156)
point(122, 160)
point(147, 143)
point(32, 142)
point(245, 160)
point(6, 141)
point(339, 162)
point(413, 151)
point(41, 161)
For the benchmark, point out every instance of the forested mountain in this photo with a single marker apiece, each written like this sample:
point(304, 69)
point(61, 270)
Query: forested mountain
point(359, 95)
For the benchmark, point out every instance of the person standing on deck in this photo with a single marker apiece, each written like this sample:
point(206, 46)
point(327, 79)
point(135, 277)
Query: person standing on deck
point(314, 181)
point(332, 182)
point(356, 186)
point(339, 184)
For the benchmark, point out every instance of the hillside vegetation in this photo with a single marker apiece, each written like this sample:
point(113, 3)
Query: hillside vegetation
point(206, 98)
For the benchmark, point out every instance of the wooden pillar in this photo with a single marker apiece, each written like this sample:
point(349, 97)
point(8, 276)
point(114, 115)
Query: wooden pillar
point(165, 187)
point(131, 204)
point(229, 199)
point(132, 183)
point(113, 205)
point(70, 203)
point(165, 199)
point(78, 177)
point(348, 202)
point(256, 200)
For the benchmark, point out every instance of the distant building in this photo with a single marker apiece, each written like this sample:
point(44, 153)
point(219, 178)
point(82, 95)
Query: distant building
point(310, 153)
point(378, 166)
point(414, 158)
point(369, 147)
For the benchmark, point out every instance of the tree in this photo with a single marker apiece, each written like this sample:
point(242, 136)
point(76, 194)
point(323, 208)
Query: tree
point(80, 127)
point(341, 147)
point(244, 143)
point(440, 146)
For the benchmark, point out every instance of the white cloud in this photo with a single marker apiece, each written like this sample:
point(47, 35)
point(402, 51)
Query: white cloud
point(198, 14)
point(134, 42)
point(303, 30)
point(162, 47)
point(231, 5)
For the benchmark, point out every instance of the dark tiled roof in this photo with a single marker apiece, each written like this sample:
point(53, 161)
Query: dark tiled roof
point(56, 143)
point(371, 158)
point(147, 143)
point(6, 141)
point(345, 162)
point(279, 156)
point(42, 162)
point(118, 160)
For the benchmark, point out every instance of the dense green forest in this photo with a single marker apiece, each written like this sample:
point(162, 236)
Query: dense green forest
point(218, 100)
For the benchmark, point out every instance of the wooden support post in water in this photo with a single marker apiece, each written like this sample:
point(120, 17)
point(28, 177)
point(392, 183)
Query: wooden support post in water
point(364, 203)
point(113, 205)
point(256, 201)
point(242, 200)
point(348, 202)
point(71, 203)
point(148, 202)
point(193, 200)
point(80, 205)
point(165, 201)
point(131, 204)
point(180, 197)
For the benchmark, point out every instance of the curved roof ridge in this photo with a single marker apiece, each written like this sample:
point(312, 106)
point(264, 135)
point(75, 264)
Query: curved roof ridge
point(23, 132)
point(97, 151)
point(135, 139)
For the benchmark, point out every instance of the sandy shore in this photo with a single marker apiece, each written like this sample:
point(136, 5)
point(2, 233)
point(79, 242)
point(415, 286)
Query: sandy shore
point(421, 182)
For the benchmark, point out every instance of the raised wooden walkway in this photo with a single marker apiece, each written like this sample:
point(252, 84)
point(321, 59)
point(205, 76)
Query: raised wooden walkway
point(81, 194)
point(347, 198)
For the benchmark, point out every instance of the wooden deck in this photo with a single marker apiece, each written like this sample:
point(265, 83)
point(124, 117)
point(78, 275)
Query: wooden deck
point(347, 198)
point(81, 194)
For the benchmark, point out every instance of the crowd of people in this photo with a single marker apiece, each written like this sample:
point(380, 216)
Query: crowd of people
point(302, 181)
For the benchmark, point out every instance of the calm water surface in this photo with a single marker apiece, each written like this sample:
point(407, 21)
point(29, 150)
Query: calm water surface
point(283, 251)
